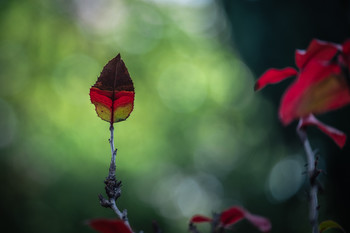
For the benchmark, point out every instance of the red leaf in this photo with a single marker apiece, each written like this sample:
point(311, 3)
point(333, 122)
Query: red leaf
point(109, 226)
point(236, 213)
point(346, 52)
point(113, 93)
point(346, 47)
point(231, 216)
point(263, 224)
point(200, 219)
point(338, 137)
point(273, 76)
point(318, 89)
point(317, 50)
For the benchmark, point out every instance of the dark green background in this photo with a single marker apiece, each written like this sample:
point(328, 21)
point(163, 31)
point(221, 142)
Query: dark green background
point(199, 139)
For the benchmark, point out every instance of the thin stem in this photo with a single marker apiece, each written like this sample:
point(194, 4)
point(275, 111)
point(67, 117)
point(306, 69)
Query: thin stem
point(113, 187)
point(312, 173)
point(112, 166)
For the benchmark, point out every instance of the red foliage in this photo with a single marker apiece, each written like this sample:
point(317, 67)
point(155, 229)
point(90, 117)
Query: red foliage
point(200, 219)
point(322, 83)
point(319, 50)
point(273, 76)
point(233, 215)
point(109, 226)
point(318, 89)
point(338, 137)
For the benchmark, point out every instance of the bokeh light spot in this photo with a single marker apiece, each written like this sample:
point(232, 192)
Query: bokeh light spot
point(285, 179)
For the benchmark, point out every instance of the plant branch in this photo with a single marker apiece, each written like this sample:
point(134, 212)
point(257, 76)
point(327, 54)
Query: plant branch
point(113, 186)
point(312, 173)
point(192, 228)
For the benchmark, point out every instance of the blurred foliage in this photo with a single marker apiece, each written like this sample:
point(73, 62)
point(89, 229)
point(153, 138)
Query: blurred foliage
point(199, 139)
point(266, 34)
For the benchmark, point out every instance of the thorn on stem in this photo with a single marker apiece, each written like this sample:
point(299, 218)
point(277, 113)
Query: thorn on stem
point(104, 202)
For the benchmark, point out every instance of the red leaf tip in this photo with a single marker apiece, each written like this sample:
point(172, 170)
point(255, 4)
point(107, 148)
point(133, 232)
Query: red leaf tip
point(273, 76)
point(336, 135)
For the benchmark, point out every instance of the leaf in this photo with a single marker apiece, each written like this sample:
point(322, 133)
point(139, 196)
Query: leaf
point(338, 137)
point(317, 50)
point(346, 52)
point(109, 226)
point(318, 89)
point(273, 76)
point(329, 224)
point(236, 213)
point(231, 216)
point(200, 219)
point(346, 47)
point(113, 93)
point(263, 224)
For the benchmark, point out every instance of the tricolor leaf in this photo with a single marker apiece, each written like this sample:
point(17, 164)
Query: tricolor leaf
point(338, 137)
point(113, 93)
point(109, 226)
point(273, 76)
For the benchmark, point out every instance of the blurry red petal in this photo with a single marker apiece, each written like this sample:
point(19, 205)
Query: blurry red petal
point(200, 219)
point(231, 216)
point(272, 76)
point(346, 47)
point(109, 226)
point(236, 213)
point(263, 224)
point(346, 52)
point(338, 137)
point(318, 89)
point(319, 50)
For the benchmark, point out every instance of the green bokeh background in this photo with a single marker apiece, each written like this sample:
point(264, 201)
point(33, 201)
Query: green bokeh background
point(199, 139)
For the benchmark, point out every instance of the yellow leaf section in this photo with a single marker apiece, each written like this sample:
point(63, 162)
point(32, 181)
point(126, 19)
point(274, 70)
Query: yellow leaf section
point(103, 112)
point(122, 112)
